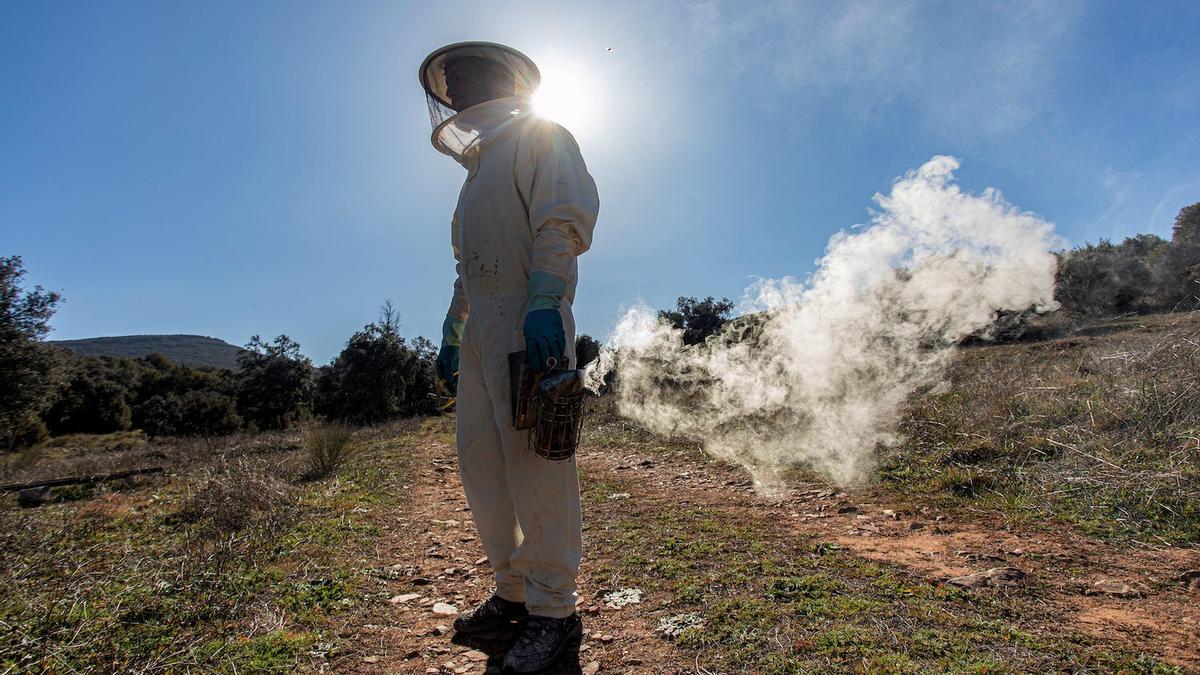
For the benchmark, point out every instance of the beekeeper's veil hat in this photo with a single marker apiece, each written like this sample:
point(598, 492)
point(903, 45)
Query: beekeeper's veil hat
point(508, 61)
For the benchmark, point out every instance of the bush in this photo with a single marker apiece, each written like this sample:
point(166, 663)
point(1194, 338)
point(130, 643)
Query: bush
point(379, 376)
point(276, 384)
point(587, 348)
point(698, 319)
point(328, 448)
point(90, 403)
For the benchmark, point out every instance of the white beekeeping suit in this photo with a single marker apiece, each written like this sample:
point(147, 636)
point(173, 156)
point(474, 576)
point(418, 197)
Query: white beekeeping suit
point(526, 210)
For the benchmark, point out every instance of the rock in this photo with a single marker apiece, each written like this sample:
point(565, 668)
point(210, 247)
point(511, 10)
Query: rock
point(591, 668)
point(672, 626)
point(439, 630)
point(848, 509)
point(997, 576)
point(31, 497)
point(370, 659)
point(625, 596)
point(1189, 578)
point(444, 609)
point(407, 597)
point(476, 655)
point(1116, 589)
point(915, 525)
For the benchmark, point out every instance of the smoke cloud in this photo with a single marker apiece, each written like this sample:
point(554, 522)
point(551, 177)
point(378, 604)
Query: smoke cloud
point(815, 372)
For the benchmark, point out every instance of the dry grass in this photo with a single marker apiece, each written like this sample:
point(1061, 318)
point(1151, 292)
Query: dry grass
point(227, 562)
point(329, 447)
point(1101, 429)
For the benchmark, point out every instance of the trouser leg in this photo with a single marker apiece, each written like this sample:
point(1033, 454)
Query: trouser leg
point(545, 494)
point(482, 467)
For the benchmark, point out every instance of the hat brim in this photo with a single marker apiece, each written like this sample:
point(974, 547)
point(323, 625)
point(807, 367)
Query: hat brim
point(526, 76)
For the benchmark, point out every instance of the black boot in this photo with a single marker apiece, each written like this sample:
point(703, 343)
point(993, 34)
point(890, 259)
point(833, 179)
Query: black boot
point(543, 641)
point(493, 613)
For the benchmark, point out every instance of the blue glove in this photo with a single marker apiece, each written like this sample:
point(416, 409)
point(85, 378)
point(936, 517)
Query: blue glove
point(447, 358)
point(545, 340)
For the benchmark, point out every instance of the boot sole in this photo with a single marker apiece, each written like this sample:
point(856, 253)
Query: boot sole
point(498, 623)
point(574, 638)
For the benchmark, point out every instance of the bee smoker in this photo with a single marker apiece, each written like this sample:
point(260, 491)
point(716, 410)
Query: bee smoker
point(549, 404)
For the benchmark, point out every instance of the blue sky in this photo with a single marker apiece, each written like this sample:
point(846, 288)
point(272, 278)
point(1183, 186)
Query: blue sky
point(233, 168)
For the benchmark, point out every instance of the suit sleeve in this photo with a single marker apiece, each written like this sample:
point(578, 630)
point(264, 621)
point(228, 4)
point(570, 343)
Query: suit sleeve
point(560, 197)
point(459, 307)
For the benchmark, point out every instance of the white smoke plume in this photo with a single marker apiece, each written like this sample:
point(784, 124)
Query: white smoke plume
point(815, 373)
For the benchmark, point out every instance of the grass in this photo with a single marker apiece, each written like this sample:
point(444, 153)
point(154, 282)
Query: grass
point(1100, 431)
point(236, 561)
point(329, 448)
point(774, 602)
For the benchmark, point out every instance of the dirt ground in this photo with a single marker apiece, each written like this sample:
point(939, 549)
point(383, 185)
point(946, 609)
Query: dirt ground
point(1140, 599)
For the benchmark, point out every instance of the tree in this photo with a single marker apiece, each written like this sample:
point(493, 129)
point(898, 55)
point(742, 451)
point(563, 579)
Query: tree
point(90, 402)
point(1184, 260)
point(379, 375)
point(1186, 231)
point(28, 365)
point(587, 348)
point(698, 319)
point(276, 383)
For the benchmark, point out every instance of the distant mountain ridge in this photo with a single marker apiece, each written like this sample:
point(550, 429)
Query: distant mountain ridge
point(189, 350)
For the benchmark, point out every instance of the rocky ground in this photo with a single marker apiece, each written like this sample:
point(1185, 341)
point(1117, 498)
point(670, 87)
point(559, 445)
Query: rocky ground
point(1036, 595)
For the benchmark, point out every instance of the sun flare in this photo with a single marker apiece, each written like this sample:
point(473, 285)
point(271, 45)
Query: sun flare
point(565, 98)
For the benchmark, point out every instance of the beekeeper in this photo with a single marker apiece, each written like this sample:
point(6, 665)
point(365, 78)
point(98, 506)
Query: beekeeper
point(525, 213)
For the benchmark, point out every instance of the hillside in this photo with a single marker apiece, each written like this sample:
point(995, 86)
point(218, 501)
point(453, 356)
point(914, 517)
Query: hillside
point(189, 350)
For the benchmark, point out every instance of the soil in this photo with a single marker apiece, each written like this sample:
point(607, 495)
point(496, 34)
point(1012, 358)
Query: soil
point(432, 550)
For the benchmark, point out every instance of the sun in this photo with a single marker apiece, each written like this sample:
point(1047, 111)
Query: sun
point(565, 98)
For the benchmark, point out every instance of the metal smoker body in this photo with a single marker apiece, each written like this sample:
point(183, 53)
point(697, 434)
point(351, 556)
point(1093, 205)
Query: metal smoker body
point(550, 405)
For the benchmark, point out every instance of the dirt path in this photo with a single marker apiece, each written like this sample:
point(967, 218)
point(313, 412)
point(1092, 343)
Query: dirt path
point(431, 555)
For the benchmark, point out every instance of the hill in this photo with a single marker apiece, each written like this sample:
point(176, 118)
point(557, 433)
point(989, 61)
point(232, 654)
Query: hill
point(189, 350)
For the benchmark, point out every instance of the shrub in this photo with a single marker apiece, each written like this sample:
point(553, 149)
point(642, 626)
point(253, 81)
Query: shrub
point(698, 319)
point(379, 376)
point(328, 448)
point(276, 384)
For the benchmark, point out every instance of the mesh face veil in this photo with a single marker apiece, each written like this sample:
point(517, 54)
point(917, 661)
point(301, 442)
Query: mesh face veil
point(497, 72)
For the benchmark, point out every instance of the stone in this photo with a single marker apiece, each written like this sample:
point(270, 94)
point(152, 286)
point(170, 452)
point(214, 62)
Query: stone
point(591, 668)
point(439, 630)
point(623, 597)
point(997, 576)
point(1189, 578)
point(444, 609)
point(31, 497)
point(371, 659)
point(407, 597)
point(476, 655)
point(1116, 589)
